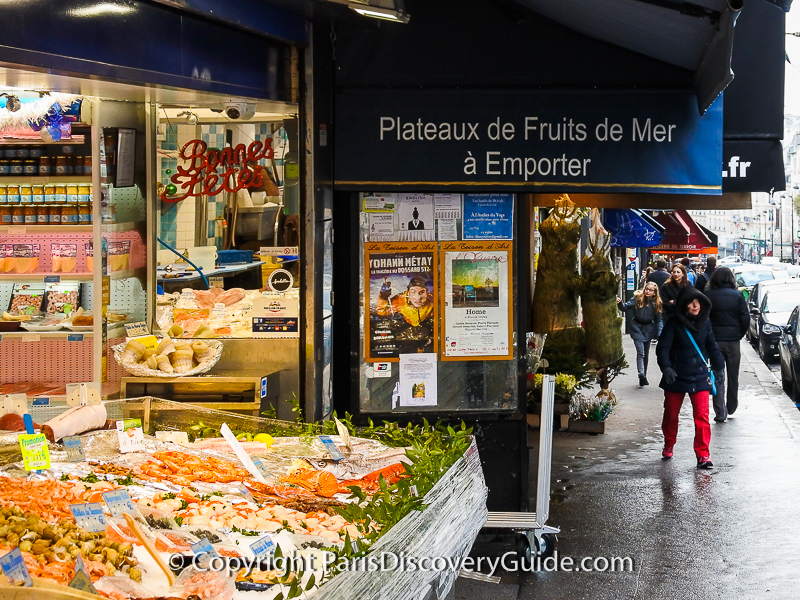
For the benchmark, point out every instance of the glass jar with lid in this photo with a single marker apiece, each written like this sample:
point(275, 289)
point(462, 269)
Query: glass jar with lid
point(87, 165)
point(61, 194)
point(50, 194)
point(18, 214)
point(69, 214)
point(45, 165)
point(5, 214)
point(3, 194)
point(38, 194)
point(85, 213)
point(26, 194)
point(72, 193)
point(63, 164)
point(29, 210)
point(12, 192)
point(54, 214)
point(5, 167)
point(16, 167)
point(35, 152)
point(30, 167)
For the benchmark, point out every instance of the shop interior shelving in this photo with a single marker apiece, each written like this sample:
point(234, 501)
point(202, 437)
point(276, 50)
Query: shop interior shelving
point(66, 356)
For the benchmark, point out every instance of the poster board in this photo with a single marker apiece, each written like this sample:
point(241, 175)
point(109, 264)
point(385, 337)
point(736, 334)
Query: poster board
point(401, 311)
point(477, 300)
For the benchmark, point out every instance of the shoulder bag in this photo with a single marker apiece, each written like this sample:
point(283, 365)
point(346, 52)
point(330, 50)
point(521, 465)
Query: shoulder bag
point(711, 378)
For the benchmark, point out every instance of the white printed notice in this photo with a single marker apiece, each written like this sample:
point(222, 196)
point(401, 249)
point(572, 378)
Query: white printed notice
point(417, 380)
point(448, 206)
point(381, 227)
point(448, 230)
point(477, 300)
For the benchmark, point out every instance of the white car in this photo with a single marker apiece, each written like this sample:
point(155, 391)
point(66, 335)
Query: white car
point(729, 260)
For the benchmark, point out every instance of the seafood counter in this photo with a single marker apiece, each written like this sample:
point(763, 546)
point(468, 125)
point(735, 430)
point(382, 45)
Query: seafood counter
point(183, 502)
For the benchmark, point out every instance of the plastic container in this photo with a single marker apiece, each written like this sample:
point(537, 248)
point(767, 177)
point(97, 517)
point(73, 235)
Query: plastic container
point(205, 257)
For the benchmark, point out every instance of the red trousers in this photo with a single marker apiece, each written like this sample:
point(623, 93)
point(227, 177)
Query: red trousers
point(702, 428)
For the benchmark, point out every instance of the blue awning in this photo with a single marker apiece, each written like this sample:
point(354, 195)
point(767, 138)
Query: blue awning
point(632, 228)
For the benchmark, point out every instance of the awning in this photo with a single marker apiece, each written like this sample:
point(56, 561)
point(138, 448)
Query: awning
point(632, 228)
point(681, 234)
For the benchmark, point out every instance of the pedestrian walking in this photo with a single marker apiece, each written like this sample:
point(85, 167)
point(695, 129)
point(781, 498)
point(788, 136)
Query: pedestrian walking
point(689, 271)
point(729, 320)
point(660, 275)
point(686, 344)
point(645, 326)
point(702, 280)
point(672, 288)
point(644, 278)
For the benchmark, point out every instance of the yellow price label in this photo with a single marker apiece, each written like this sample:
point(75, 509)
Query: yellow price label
point(35, 453)
point(148, 341)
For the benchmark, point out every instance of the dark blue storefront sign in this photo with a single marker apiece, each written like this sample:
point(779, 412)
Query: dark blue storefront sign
point(539, 141)
point(630, 228)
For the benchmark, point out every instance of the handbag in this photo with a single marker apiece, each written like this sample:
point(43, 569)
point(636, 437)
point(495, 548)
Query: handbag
point(711, 378)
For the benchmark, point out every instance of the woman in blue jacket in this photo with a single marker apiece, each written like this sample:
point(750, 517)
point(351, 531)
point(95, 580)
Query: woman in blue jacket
point(646, 324)
point(685, 371)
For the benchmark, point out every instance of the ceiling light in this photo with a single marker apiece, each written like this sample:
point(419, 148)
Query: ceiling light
point(387, 14)
point(12, 102)
point(101, 8)
point(191, 117)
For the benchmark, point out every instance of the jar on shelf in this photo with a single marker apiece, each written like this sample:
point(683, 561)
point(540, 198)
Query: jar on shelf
point(45, 165)
point(16, 167)
point(38, 194)
point(29, 210)
point(30, 167)
point(87, 165)
point(69, 214)
point(36, 152)
point(5, 167)
point(26, 194)
point(85, 213)
point(3, 194)
point(23, 153)
point(50, 194)
point(72, 193)
point(5, 214)
point(54, 214)
point(63, 164)
point(13, 194)
point(85, 192)
point(9, 152)
point(18, 215)
point(61, 194)
point(42, 214)
point(67, 149)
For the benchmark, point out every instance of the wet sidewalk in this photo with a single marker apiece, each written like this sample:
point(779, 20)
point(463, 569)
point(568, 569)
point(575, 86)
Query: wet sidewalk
point(730, 532)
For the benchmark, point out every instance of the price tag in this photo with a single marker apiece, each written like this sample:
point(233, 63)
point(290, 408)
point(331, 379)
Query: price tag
point(136, 329)
point(203, 547)
point(74, 446)
point(52, 279)
point(35, 453)
point(40, 402)
point(14, 568)
point(130, 435)
point(74, 337)
point(89, 516)
point(331, 447)
point(40, 180)
point(279, 250)
point(119, 503)
point(30, 337)
point(242, 489)
point(260, 466)
point(263, 547)
point(413, 490)
point(81, 581)
point(216, 282)
point(263, 387)
point(187, 294)
point(176, 437)
point(16, 230)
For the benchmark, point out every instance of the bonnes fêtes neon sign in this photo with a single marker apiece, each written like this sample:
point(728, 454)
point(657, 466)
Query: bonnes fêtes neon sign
point(202, 178)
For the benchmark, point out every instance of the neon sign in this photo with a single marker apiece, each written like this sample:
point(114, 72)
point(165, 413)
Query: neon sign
point(201, 178)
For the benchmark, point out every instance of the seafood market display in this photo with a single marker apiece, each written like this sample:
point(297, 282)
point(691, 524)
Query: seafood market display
point(186, 499)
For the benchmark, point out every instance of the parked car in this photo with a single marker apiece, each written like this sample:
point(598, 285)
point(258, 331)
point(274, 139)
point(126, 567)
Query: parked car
point(747, 275)
point(790, 269)
point(757, 297)
point(789, 351)
point(771, 317)
point(729, 261)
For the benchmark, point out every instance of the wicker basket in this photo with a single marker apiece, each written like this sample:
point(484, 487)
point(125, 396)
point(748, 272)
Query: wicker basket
point(143, 371)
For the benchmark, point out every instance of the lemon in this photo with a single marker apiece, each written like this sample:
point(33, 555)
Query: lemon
point(264, 437)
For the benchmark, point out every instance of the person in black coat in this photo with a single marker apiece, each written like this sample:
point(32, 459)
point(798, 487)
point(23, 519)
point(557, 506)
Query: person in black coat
point(660, 275)
point(729, 320)
point(684, 371)
point(672, 288)
point(705, 276)
point(645, 326)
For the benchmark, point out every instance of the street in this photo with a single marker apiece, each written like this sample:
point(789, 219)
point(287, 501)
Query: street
point(727, 532)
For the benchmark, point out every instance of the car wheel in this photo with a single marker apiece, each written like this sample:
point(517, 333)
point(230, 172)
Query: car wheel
point(760, 348)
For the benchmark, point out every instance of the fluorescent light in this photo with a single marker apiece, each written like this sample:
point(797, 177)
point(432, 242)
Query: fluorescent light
point(102, 8)
point(382, 13)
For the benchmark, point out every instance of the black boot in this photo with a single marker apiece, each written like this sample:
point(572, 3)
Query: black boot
point(642, 380)
point(645, 381)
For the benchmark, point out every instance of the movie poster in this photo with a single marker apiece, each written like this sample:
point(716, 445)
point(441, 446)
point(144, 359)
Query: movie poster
point(477, 300)
point(400, 280)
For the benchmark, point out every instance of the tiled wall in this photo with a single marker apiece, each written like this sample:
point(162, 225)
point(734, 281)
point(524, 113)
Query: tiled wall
point(178, 222)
